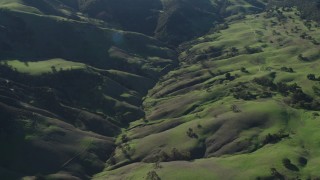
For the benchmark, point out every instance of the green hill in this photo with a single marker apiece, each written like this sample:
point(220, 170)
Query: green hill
point(240, 106)
point(159, 89)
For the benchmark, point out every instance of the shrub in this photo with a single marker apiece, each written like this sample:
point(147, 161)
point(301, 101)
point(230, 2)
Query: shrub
point(282, 88)
point(299, 95)
point(174, 155)
point(287, 163)
point(316, 114)
point(152, 175)
point(243, 94)
point(265, 81)
point(201, 57)
point(276, 175)
point(235, 109)
point(311, 77)
point(266, 94)
point(234, 51)
point(302, 58)
point(315, 42)
point(54, 69)
point(274, 138)
point(303, 161)
point(244, 70)
point(124, 138)
point(253, 50)
point(163, 156)
point(286, 69)
point(229, 77)
point(157, 165)
point(191, 134)
point(112, 160)
point(177, 155)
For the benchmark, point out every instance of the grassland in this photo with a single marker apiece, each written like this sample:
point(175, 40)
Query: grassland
point(41, 67)
point(195, 110)
point(243, 103)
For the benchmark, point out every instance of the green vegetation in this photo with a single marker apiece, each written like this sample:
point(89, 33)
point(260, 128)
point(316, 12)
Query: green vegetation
point(159, 89)
point(41, 67)
point(252, 107)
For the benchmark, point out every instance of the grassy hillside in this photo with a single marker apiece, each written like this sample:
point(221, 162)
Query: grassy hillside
point(243, 105)
point(41, 67)
point(159, 89)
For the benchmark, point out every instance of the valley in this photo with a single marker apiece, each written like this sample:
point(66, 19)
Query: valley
point(159, 89)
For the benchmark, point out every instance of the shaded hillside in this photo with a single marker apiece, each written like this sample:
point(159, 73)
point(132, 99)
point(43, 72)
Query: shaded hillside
point(33, 37)
point(182, 20)
point(29, 135)
point(76, 117)
point(139, 16)
point(172, 21)
point(67, 87)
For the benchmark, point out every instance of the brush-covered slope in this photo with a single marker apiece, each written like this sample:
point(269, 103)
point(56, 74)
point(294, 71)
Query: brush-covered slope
point(244, 104)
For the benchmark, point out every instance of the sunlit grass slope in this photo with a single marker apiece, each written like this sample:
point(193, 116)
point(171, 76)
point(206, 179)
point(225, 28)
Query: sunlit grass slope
point(241, 106)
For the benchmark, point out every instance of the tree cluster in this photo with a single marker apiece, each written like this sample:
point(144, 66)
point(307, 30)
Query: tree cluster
point(174, 155)
point(274, 138)
point(286, 69)
point(296, 97)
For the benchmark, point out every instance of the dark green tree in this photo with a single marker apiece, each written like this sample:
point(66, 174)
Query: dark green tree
point(311, 77)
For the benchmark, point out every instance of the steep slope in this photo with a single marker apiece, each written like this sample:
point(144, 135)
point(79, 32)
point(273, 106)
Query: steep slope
point(182, 20)
point(171, 21)
point(70, 84)
point(33, 37)
point(77, 89)
point(243, 105)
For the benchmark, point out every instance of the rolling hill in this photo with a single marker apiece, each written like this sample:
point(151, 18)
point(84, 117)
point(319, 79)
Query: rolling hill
point(239, 107)
point(159, 89)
